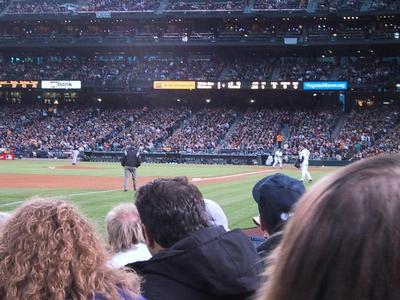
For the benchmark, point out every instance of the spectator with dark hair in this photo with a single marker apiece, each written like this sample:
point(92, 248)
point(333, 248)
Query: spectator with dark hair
point(48, 250)
point(191, 259)
point(343, 239)
point(125, 235)
point(275, 196)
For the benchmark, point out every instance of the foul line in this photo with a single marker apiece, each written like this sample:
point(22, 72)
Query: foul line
point(61, 196)
point(232, 176)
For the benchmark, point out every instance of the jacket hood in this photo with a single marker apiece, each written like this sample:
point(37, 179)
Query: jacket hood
point(211, 260)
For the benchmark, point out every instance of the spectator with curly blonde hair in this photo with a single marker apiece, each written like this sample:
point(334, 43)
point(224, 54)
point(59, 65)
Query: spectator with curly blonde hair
point(3, 218)
point(48, 250)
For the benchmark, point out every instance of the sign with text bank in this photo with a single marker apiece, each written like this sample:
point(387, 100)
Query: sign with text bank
point(62, 84)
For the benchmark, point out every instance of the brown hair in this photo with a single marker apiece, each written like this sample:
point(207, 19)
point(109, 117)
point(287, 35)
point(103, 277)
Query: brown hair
point(123, 227)
point(50, 251)
point(343, 241)
point(171, 209)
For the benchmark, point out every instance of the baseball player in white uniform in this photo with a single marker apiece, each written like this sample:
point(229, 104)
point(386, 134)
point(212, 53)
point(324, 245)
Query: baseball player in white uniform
point(269, 160)
point(75, 153)
point(304, 161)
point(278, 158)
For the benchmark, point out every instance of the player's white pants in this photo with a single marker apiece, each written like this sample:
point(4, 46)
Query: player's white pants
point(305, 173)
point(276, 161)
point(75, 154)
point(128, 173)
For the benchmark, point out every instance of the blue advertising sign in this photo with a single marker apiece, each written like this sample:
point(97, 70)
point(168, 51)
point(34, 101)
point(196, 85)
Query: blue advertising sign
point(325, 86)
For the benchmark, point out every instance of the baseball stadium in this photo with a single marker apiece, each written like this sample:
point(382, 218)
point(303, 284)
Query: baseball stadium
point(111, 102)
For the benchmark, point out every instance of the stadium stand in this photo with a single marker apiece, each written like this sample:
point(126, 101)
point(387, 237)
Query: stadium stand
point(124, 68)
point(214, 130)
point(39, 7)
point(206, 5)
point(279, 4)
point(126, 5)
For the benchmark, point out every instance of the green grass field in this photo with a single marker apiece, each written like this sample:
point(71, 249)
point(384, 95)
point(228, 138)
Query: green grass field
point(234, 195)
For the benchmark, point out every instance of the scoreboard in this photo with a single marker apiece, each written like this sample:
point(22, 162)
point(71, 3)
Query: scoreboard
point(252, 85)
point(226, 85)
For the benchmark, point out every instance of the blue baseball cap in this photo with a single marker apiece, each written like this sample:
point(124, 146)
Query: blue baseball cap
point(276, 196)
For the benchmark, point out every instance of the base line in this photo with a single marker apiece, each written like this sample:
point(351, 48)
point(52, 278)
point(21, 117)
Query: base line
point(232, 176)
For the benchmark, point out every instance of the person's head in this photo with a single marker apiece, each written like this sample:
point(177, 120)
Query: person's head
point(343, 241)
point(275, 196)
point(215, 214)
point(170, 210)
point(123, 227)
point(48, 250)
point(3, 218)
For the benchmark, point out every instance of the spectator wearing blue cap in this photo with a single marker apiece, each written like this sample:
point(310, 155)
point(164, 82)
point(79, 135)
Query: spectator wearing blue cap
point(275, 196)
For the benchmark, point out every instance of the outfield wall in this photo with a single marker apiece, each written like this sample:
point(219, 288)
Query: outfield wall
point(249, 159)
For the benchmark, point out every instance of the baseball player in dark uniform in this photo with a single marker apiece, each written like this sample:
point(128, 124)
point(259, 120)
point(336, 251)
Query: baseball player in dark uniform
point(130, 161)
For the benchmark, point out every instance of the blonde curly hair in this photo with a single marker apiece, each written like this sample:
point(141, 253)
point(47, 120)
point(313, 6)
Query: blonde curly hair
point(48, 250)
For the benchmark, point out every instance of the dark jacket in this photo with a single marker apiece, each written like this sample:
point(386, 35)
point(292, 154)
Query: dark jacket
point(209, 264)
point(131, 158)
point(270, 244)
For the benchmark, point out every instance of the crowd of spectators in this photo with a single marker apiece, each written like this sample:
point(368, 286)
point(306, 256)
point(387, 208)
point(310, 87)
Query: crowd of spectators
point(280, 4)
point(248, 69)
point(339, 4)
point(3, 4)
point(38, 6)
point(203, 131)
point(63, 6)
point(255, 131)
point(150, 129)
point(121, 5)
point(124, 70)
point(369, 70)
point(364, 130)
point(300, 69)
point(315, 129)
point(55, 130)
point(362, 133)
point(388, 144)
point(384, 5)
point(206, 5)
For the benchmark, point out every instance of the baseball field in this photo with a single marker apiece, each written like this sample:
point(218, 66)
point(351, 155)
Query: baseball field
point(96, 187)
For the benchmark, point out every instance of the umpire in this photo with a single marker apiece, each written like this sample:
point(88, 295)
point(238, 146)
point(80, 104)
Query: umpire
point(130, 161)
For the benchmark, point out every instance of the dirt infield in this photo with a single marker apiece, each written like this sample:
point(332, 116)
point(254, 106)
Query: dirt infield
point(93, 182)
point(70, 167)
point(64, 182)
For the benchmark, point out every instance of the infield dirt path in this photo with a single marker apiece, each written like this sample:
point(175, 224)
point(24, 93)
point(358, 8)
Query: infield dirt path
point(40, 181)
